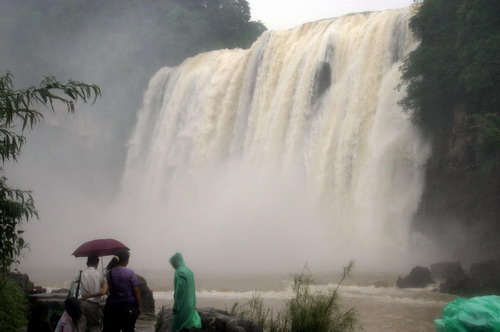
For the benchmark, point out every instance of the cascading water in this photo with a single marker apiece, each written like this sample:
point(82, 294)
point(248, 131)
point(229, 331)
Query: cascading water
point(294, 151)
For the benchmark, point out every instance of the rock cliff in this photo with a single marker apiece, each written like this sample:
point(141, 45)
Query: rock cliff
point(460, 206)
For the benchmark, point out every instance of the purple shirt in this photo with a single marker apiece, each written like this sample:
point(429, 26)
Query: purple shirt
point(122, 284)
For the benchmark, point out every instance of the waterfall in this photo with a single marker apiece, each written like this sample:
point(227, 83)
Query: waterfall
point(294, 151)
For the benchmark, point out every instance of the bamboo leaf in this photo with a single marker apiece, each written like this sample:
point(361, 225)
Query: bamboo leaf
point(18, 108)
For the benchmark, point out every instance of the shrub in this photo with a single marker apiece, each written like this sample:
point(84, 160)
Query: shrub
point(256, 312)
point(14, 305)
point(308, 310)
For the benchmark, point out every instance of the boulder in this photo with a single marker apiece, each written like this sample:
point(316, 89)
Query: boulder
point(419, 277)
point(483, 279)
point(148, 302)
point(445, 270)
point(486, 277)
point(23, 280)
point(457, 285)
point(211, 319)
point(45, 311)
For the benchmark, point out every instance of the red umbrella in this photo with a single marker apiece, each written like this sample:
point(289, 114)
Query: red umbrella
point(100, 247)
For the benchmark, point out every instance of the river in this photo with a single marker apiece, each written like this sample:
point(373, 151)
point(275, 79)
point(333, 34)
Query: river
point(379, 305)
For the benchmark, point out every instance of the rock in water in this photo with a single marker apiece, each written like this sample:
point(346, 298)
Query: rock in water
point(486, 277)
point(148, 302)
point(445, 270)
point(419, 277)
point(458, 285)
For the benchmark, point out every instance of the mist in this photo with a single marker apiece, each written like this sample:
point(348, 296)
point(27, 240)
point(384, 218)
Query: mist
point(94, 175)
point(73, 163)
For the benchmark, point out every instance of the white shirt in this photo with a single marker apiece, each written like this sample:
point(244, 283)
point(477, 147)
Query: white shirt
point(92, 281)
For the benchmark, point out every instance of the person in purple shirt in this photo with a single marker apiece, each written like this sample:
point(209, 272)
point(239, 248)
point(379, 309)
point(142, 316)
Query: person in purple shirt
point(123, 305)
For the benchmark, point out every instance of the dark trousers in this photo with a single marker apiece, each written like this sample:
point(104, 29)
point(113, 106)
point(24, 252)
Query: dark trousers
point(117, 318)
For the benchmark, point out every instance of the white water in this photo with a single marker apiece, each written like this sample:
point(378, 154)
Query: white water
point(237, 164)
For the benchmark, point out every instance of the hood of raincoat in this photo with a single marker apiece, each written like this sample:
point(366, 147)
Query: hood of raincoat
point(176, 260)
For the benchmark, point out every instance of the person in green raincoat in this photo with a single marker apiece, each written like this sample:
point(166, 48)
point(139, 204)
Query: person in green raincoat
point(185, 315)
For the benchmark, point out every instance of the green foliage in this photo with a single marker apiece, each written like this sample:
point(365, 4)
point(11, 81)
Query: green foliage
point(256, 312)
point(155, 33)
point(18, 113)
point(13, 308)
point(457, 63)
point(489, 128)
point(318, 311)
point(15, 205)
point(478, 43)
point(308, 310)
point(18, 105)
point(228, 22)
point(431, 71)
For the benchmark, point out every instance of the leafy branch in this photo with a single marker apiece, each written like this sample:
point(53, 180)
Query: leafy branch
point(18, 107)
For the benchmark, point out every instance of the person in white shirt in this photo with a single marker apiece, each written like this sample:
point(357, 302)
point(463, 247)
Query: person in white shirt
point(92, 287)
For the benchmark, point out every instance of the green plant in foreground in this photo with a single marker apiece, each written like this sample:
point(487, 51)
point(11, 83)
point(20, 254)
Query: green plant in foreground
point(19, 112)
point(256, 312)
point(309, 310)
point(318, 311)
point(13, 308)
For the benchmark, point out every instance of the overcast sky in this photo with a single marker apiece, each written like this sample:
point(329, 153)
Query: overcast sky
point(279, 14)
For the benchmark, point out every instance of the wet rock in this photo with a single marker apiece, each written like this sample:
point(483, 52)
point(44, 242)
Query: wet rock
point(485, 276)
point(419, 277)
point(211, 320)
point(445, 270)
point(457, 285)
point(45, 311)
point(23, 280)
point(322, 79)
point(148, 302)
point(483, 279)
point(36, 290)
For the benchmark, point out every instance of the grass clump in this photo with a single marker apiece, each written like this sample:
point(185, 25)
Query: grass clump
point(13, 305)
point(309, 310)
point(266, 318)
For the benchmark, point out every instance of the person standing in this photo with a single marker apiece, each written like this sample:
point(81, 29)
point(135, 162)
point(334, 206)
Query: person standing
point(92, 287)
point(185, 314)
point(123, 305)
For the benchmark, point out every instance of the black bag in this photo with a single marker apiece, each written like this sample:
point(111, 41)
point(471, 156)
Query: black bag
point(129, 310)
point(72, 307)
point(72, 304)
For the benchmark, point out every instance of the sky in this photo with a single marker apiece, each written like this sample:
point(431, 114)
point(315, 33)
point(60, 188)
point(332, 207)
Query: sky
point(288, 14)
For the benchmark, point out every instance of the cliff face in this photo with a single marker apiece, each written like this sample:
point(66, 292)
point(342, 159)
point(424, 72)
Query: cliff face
point(460, 206)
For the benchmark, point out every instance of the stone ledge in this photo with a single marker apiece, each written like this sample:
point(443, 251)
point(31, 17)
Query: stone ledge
point(212, 320)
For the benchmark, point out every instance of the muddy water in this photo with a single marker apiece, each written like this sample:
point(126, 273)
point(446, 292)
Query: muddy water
point(378, 308)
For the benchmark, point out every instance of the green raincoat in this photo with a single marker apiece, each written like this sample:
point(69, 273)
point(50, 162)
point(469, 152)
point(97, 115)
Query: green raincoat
point(185, 315)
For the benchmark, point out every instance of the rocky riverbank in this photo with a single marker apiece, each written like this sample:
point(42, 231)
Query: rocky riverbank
point(47, 307)
point(482, 278)
point(211, 320)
